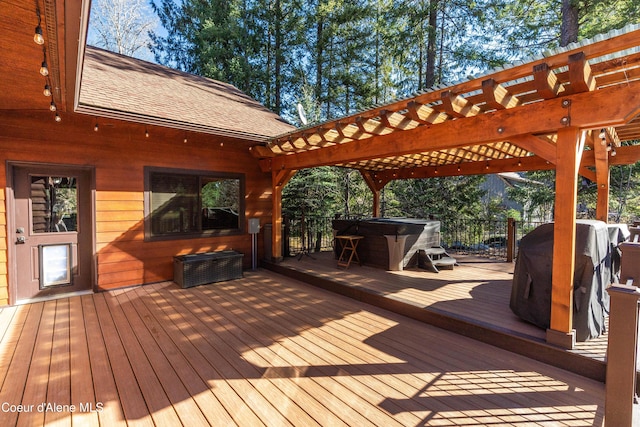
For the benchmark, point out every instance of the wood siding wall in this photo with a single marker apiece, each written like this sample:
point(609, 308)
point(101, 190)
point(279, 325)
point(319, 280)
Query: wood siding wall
point(118, 152)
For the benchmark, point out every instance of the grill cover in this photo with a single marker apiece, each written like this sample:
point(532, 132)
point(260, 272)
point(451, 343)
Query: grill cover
point(531, 288)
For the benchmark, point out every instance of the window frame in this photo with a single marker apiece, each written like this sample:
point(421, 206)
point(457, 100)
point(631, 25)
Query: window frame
point(200, 175)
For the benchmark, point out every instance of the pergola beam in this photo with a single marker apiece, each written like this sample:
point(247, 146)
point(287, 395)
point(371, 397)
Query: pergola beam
point(542, 147)
point(546, 82)
point(626, 155)
point(397, 121)
point(424, 114)
point(580, 75)
point(497, 96)
point(615, 105)
point(456, 106)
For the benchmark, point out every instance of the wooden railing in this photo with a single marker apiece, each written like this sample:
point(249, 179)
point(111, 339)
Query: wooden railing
point(488, 238)
point(621, 401)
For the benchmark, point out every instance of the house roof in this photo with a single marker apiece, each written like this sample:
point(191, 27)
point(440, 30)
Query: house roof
point(92, 81)
point(118, 86)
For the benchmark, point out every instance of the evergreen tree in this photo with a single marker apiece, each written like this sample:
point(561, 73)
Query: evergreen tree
point(312, 192)
point(422, 198)
point(208, 38)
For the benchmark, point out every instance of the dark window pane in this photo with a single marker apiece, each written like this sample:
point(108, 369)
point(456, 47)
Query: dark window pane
point(174, 204)
point(54, 204)
point(220, 203)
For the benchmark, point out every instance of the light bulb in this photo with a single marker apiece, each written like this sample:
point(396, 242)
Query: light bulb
point(95, 128)
point(37, 37)
point(58, 118)
point(52, 106)
point(146, 133)
point(47, 91)
point(43, 69)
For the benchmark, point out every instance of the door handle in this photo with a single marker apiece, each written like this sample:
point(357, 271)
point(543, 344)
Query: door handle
point(21, 240)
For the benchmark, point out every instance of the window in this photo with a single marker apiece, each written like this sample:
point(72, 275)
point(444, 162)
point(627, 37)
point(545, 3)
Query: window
point(186, 203)
point(54, 204)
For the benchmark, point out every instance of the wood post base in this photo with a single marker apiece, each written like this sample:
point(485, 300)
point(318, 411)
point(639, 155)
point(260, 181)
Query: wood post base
point(562, 339)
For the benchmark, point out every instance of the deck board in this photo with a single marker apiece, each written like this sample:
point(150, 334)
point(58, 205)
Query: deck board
point(191, 385)
point(267, 350)
point(130, 394)
point(100, 373)
point(177, 324)
point(59, 367)
point(81, 381)
point(13, 321)
point(155, 397)
point(22, 341)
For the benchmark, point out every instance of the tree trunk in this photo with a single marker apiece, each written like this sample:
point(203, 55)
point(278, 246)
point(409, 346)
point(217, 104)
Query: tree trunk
point(430, 76)
point(319, 54)
point(569, 27)
point(279, 58)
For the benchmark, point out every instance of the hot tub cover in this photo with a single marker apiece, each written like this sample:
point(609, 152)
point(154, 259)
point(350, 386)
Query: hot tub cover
point(531, 288)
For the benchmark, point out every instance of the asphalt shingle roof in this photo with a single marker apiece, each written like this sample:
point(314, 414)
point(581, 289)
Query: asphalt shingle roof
point(121, 84)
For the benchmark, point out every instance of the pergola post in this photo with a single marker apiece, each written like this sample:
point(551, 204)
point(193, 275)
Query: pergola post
point(278, 180)
point(602, 176)
point(375, 190)
point(570, 145)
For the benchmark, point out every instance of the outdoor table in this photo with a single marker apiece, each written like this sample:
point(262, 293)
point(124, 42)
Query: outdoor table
point(349, 250)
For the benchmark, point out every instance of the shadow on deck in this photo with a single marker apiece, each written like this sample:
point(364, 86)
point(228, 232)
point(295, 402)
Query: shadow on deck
point(471, 300)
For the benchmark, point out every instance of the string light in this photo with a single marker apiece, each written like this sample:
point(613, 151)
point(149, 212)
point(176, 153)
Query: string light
point(38, 37)
point(44, 70)
point(96, 128)
point(146, 133)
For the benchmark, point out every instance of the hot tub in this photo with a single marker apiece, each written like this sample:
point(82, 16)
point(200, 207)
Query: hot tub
point(384, 236)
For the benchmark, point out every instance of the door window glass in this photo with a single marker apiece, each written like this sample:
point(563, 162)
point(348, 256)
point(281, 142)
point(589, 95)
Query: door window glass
point(54, 204)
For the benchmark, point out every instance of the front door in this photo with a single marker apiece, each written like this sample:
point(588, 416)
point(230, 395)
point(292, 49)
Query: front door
point(52, 234)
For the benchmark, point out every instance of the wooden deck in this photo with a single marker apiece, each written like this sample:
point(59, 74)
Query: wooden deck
point(471, 299)
point(265, 350)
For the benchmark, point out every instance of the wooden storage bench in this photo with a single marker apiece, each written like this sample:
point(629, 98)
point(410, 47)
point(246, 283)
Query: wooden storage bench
point(209, 267)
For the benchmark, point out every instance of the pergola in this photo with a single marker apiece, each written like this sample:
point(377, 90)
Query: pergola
point(575, 110)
